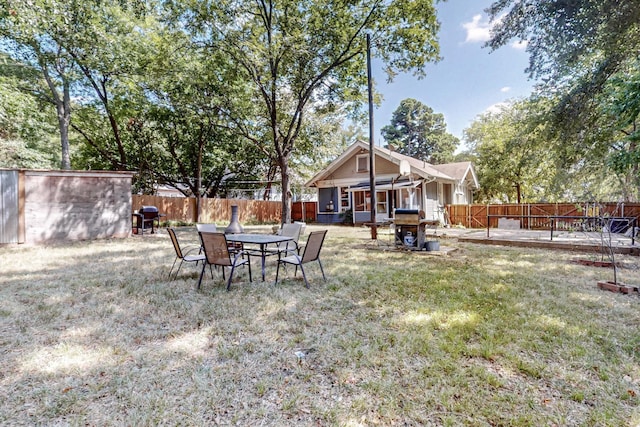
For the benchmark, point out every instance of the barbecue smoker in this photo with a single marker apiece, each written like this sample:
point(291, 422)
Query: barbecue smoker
point(410, 228)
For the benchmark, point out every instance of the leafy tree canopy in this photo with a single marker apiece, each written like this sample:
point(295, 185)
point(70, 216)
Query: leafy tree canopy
point(307, 57)
point(417, 131)
point(129, 71)
point(27, 134)
point(585, 55)
point(511, 162)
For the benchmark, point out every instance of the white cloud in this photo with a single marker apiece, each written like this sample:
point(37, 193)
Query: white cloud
point(478, 30)
point(505, 89)
point(519, 44)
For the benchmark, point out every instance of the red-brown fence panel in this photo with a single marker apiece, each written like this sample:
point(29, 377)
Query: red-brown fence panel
point(304, 211)
point(183, 209)
point(536, 215)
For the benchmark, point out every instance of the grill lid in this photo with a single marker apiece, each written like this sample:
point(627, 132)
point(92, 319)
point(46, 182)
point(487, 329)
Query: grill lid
point(151, 209)
point(407, 211)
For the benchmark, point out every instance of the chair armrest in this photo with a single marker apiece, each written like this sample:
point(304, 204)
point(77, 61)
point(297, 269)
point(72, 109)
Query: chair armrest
point(190, 248)
point(241, 254)
point(286, 244)
point(287, 252)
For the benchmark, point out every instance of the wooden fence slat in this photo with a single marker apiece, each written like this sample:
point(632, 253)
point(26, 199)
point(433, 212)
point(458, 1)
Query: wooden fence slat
point(183, 209)
point(475, 216)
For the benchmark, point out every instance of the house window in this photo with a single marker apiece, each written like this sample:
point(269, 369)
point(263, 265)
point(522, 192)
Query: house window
point(381, 202)
point(410, 198)
point(325, 199)
point(345, 200)
point(362, 163)
point(362, 201)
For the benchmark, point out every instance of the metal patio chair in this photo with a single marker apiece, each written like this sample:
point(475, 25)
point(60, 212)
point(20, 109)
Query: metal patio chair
point(292, 230)
point(183, 254)
point(206, 227)
point(217, 253)
point(311, 253)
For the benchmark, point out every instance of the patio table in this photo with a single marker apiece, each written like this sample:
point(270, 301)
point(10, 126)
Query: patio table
point(262, 240)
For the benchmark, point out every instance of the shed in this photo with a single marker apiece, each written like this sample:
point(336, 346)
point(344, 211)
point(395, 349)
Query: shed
point(38, 206)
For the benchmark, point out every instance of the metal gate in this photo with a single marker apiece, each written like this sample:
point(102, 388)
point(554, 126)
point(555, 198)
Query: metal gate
point(8, 206)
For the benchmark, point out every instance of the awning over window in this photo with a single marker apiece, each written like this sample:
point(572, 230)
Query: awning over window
point(386, 185)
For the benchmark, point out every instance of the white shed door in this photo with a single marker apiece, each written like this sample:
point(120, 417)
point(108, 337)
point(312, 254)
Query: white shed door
point(8, 206)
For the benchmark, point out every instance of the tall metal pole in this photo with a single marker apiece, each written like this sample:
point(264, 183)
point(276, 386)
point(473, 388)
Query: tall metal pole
point(372, 164)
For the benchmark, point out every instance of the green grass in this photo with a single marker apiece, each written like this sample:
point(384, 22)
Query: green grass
point(94, 333)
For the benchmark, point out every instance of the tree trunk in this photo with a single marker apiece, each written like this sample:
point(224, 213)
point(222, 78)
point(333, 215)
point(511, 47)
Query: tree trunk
point(63, 110)
point(286, 191)
point(635, 172)
point(64, 119)
point(198, 192)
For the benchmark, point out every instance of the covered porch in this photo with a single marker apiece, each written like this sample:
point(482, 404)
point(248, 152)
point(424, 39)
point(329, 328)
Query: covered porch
point(352, 204)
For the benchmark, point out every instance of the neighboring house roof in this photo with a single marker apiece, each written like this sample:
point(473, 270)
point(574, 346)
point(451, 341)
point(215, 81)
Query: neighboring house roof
point(457, 171)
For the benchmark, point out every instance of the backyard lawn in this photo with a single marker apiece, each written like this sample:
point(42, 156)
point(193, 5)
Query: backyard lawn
point(93, 333)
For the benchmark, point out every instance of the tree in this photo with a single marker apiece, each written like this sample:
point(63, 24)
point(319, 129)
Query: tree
point(303, 56)
point(80, 48)
point(581, 50)
point(110, 48)
point(322, 140)
point(511, 160)
point(30, 32)
point(27, 129)
point(418, 132)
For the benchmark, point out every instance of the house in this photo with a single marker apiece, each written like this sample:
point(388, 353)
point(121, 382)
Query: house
point(401, 182)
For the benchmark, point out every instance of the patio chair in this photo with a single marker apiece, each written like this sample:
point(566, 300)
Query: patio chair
point(217, 253)
point(311, 253)
point(290, 230)
point(209, 228)
point(182, 254)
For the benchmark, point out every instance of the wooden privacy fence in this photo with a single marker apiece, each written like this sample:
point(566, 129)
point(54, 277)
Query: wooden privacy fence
point(535, 215)
point(304, 211)
point(183, 209)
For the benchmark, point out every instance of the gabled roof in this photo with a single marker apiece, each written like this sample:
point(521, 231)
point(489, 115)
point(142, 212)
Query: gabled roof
point(460, 171)
point(418, 167)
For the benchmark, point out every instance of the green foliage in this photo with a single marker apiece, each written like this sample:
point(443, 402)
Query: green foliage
point(26, 129)
point(306, 58)
point(196, 93)
point(512, 162)
point(565, 38)
point(417, 131)
point(586, 54)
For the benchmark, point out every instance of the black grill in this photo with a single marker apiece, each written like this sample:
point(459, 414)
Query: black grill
point(146, 217)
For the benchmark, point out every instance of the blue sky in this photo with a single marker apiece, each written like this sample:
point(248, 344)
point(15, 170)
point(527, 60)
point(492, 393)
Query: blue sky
point(469, 79)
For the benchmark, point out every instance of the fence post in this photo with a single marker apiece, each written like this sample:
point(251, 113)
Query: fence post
point(488, 218)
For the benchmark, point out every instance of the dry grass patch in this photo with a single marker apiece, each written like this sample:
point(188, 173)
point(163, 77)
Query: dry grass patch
point(94, 333)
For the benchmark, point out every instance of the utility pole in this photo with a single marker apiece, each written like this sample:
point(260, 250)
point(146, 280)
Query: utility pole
point(372, 164)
